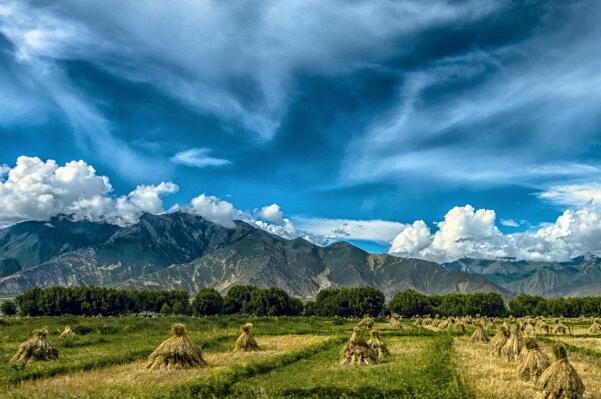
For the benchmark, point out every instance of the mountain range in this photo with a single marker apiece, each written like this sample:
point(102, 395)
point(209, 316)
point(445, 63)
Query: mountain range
point(185, 251)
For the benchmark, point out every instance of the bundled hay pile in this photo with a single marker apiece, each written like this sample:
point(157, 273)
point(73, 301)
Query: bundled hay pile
point(541, 325)
point(67, 333)
point(444, 324)
point(533, 362)
point(560, 380)
point(356, 351)
point(559, 328)
point(176, 352)
point(514, 345)
point(479, 336)
point(395, 323)
point(498, 341)
point(529, 330)
point(458, 327)
point(419, 321)
point(36, 348)
point(377, 345)
point(246, 342)
point(366, 322)
point(595, 328)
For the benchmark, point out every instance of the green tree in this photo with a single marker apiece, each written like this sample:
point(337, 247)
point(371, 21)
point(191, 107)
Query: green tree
point(179, 308)
point(410, 303)
point(166, 309)
point(237, 299)
point(207, 302)
point(8, 308)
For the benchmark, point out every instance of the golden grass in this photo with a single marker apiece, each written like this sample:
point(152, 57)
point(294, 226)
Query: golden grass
point(123, 380)
point(487, 376)
point(495, 378)
point(589, 343)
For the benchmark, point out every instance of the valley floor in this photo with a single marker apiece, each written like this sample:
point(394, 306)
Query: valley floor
point(299, 359)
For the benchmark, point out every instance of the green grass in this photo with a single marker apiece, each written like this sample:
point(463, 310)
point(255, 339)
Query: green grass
point(422, 367)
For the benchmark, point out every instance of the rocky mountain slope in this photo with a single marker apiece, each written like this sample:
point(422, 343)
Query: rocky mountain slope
point(184, 251)
point(580, 276)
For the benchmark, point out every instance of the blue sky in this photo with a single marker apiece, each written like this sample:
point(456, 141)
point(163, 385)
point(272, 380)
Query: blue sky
point(336, 111)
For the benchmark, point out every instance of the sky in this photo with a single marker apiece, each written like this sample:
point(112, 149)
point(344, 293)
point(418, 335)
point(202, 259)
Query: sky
point(436, 130)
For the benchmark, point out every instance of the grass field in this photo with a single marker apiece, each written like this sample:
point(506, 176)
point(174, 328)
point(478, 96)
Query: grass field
point(299, 359)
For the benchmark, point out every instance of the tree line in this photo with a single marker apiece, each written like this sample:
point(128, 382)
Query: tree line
point(589, 306)
point(246, 299)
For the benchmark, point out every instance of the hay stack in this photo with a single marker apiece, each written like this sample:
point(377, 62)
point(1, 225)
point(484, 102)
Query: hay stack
point(595, 328)
point(533, 361)
point(377, 345)
point(395, 323)
point(544, 327)
point(246, 342)
point(479, 336)
point(176, 352)
point(514, 345)
point(498, 341)
point(560, 328)
point(36, 348)
point(67, 333)
point(419, 321)
point(366, 322)
point(560, 380)
point(530, 330)
point(356, 351)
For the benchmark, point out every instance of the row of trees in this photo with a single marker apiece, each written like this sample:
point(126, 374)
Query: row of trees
point(523, 305)
point(411, 303)
point(246, 299)
point(91, 301)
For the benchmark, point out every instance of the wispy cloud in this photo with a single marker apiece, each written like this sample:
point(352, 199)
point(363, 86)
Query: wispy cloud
point(198, 158)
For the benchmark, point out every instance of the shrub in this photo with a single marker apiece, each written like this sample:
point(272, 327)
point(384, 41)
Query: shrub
point(8, 308)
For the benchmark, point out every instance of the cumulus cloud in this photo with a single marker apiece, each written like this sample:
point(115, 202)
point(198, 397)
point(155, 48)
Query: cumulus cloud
point(198, 158)
point(272, 213)
point(37, 190)
point(214, 209)
point(467, 232)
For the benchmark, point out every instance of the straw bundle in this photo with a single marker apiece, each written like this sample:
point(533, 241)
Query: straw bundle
point(366, 322)
point(36, 348)
point(176, 352)
point(395, 323)
point(377, 345)
point(595, 328)
point(479, 336)
point(533, 361)
point(530, 330)
point(246, 342)
point(67, 333)
point(498, 341)
point(560, 380)
point(514, 345)
point(356, 351)
point(559, 328)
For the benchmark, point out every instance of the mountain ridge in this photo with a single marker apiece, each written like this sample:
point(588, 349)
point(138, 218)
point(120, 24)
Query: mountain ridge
point(180, 250)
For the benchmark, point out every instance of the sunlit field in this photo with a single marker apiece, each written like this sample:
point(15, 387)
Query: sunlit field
point(299, 358)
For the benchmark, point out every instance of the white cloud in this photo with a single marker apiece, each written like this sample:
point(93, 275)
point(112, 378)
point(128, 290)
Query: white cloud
point(466, 232)
point(380, 231)
point(272, 213)
point(185, 48)
point(198, 158)
point(37, 190)
point(510, 223)
point(576, 195)
point(214, 209)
